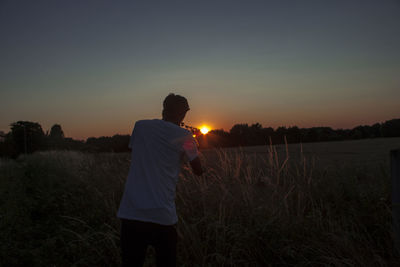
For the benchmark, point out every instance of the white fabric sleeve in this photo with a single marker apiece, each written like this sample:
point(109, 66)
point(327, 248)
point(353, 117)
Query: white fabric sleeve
point(132, 137)
point(190, 148)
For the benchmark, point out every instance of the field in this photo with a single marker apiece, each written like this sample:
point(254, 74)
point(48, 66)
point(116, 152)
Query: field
point(319, 204)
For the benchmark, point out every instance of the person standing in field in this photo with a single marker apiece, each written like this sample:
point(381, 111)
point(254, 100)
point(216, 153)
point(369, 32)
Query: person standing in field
point(147, 209)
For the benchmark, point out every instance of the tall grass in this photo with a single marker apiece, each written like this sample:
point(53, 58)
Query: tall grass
point(261, 212)
point(59, 209)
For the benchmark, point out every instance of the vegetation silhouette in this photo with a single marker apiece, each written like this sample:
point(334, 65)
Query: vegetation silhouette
point(255, 134)
point(28, 137)
point(56, 132)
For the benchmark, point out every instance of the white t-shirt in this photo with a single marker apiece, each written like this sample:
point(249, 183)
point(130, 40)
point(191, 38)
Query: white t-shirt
point(158, 149)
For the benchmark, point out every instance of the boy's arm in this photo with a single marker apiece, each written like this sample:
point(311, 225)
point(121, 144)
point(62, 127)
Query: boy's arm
point(192, 153)
point(196, 166)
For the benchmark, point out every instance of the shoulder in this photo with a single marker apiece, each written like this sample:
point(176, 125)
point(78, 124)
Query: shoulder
point(173, 127)
point(183, 131)
point(187, 132)
point(141, 123)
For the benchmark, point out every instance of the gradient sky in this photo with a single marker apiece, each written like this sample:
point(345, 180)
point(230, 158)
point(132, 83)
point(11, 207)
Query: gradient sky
point(96, 67)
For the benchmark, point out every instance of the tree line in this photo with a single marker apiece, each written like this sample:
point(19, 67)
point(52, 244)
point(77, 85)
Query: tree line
point(255, 134)
point(27, 137)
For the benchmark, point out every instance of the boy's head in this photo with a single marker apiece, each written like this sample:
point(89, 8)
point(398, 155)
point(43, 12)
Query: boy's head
point(175, 108)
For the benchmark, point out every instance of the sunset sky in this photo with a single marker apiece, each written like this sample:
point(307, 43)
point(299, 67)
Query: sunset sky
point(96, 67)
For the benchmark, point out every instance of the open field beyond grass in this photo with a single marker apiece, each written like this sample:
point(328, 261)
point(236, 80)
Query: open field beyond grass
point(320, 204)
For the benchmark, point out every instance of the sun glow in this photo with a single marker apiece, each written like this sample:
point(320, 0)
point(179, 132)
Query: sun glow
point(204, 129)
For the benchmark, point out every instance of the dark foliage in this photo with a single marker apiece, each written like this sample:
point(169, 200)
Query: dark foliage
point(56, 132)
point(116, 143)
point(245, 135)
point(27, 137)
point(55, 140)
point(391, 128)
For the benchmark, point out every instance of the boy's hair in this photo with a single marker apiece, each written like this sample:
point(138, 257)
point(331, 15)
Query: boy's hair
point(174, 105)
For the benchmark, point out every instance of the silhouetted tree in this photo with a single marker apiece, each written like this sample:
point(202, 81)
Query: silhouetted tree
point(119, 143)
point(218, 138)
point(325, 134)
point(27, 136)
point(376, 130)
point(294, 135)
point(311, 135)
point(2, 136)
point(279, 136)
point(238, 134)
point(391, 128)
point(255, 135)
point(55, 140)
point(7, 147)
point(268, 133)
point(56, 132)
point(342, 134)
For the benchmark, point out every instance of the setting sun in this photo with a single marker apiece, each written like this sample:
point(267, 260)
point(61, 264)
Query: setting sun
point(204, 129)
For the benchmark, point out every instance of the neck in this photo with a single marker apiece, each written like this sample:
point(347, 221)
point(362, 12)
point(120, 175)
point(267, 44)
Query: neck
point(177, 122)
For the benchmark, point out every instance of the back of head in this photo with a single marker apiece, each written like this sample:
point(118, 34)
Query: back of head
point(174, 106)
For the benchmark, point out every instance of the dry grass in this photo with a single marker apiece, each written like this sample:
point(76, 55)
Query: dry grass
point(257, 211)
point(269, 209)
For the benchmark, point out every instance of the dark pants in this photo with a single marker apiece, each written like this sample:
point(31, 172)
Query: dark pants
point(136, 236)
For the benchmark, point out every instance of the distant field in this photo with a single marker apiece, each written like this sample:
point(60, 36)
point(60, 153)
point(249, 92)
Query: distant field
point(365, 153)
point(328, 205)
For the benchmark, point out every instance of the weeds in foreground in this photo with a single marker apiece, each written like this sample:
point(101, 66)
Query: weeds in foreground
point(59, 209)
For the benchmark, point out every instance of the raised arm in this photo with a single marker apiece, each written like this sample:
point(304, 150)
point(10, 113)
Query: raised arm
point(196, 166)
